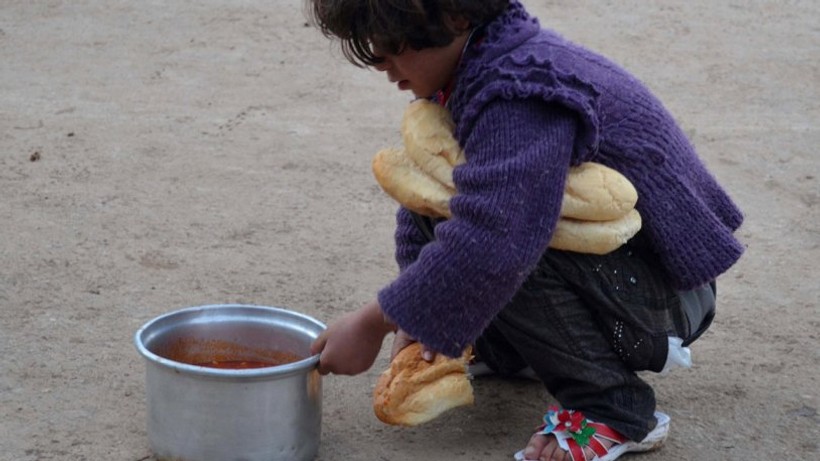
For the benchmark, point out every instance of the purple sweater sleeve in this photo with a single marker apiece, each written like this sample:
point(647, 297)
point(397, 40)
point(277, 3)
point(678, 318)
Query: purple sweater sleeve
point(409, 239)
point(510, 191)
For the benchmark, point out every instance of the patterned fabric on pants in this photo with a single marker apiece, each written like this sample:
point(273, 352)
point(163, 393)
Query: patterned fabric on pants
point(585, 324)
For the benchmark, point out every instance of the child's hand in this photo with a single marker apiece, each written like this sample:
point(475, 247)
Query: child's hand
point(403, 340)
point(350, 345)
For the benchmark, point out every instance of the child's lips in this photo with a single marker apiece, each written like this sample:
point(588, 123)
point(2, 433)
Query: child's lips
point(403, 84)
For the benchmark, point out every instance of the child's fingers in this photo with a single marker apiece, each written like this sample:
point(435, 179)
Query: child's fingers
point(400, 341)
point(319, 343)
point(318, 347)
point(428, 354)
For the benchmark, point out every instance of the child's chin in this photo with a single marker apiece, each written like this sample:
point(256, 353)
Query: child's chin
point(422, 94)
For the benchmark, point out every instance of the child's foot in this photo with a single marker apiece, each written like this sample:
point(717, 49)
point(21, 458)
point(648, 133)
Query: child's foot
point(545, 448)
point(568, 436)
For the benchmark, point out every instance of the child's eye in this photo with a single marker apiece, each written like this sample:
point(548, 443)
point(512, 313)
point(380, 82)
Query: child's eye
point(378, 45)
point(377, 50)
point(383, 46)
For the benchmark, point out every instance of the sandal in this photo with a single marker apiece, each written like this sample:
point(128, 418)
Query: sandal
point(574, 432)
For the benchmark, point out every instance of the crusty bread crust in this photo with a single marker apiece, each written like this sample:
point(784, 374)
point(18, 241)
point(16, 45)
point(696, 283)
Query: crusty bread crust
point(402, 179)
point(595, 192)
point(595, 237)
point(427, 133)
point(413, 391)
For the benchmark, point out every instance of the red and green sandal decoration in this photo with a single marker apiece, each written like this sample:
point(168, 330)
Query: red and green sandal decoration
point(574, 432)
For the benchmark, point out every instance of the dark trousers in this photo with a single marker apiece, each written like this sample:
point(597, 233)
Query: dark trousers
point(586, 323)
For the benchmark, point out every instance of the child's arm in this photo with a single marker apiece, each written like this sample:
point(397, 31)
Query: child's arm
point(350, 345)
point(510, 193)
point(409, 239)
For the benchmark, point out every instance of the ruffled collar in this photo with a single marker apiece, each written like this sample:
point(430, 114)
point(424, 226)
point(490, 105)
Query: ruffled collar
point(506, 32)
point(499, 37)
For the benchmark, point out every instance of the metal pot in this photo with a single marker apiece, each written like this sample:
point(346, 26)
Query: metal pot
point(200, 413)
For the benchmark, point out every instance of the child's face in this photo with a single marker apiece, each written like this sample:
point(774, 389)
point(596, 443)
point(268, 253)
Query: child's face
point(423, 71)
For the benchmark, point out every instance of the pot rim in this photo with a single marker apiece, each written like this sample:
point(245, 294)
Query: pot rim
point(251, 373)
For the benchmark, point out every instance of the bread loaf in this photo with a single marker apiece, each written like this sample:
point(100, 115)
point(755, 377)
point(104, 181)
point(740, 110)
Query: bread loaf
point(595, 192)
point(595, 237)
point(413, 391)
point(597, 211)
point(402, 179)
point(427, 133)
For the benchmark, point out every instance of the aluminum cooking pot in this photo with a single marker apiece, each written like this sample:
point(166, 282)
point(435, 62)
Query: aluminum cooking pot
point(205, 404)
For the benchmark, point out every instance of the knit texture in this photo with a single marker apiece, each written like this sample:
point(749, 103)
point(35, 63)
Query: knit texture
point(528, 104)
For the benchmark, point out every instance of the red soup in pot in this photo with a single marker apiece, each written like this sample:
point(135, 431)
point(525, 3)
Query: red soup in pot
point(224, 354)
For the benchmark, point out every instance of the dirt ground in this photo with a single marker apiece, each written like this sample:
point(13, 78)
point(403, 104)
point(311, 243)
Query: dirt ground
point(158, 155)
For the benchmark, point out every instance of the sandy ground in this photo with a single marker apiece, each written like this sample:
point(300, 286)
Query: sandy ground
point(157, 155)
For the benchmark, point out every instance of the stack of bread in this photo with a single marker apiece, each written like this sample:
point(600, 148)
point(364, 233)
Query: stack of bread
point(597, 213)
point(597, 216)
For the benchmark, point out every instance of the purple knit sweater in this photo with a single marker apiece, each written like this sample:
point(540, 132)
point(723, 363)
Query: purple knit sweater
point(528, 104)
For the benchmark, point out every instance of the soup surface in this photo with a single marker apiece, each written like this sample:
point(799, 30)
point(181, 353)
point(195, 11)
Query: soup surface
point(237, 364)
point(224, 354)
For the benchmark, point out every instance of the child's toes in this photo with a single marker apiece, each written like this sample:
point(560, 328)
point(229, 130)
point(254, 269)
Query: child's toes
point(535, 447)
point(543, 448)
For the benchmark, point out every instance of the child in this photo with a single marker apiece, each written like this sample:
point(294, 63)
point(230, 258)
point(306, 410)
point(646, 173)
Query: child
point(527, 105)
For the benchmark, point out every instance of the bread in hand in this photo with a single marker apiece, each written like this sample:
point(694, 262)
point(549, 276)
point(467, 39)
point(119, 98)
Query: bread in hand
point(413, 391)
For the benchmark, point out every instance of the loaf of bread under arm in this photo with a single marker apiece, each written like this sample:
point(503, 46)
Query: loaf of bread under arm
point(598, 207)
point(402, 179)
point(595, 237)
point(594, 192)
point(427, 133)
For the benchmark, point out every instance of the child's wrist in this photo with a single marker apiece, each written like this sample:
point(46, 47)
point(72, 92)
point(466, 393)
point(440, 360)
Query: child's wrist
point(388, 324)
point(380, 320)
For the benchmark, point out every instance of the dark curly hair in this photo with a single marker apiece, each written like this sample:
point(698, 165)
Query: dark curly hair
point(392, 25)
